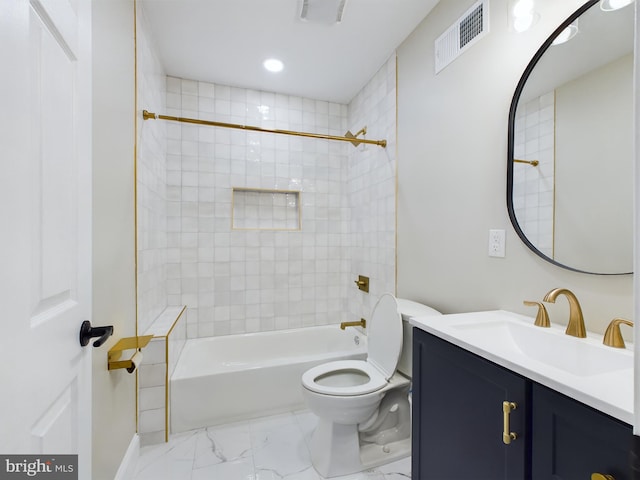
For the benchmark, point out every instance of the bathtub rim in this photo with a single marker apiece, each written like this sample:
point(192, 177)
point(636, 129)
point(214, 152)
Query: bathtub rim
point(177, 374)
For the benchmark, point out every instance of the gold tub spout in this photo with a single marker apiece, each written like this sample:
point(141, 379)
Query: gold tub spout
point(575, 327)
point(362, 323)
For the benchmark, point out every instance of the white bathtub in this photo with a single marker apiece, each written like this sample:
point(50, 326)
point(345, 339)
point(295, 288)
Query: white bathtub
point(236, 377)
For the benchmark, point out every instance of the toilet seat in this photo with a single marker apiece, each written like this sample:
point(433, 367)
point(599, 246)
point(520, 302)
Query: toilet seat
point(375, 381)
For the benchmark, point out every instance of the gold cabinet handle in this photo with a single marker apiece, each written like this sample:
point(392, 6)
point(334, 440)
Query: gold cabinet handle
point(507, 408)
point(601, 476)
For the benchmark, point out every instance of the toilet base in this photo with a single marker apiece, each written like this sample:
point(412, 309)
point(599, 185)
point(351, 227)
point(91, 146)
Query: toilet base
point(373, 455)
point(336, 450)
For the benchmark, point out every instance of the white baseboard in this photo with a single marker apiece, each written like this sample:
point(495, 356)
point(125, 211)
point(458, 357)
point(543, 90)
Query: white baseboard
point(128, 465)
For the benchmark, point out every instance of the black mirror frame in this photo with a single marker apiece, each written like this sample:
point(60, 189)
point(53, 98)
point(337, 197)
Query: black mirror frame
point(511, 133)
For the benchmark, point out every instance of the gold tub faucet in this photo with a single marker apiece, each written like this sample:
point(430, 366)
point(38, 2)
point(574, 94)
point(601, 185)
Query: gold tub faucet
point(362, 323)
point(575, 327)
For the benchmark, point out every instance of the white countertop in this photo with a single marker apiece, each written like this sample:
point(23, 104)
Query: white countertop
point(581, 368)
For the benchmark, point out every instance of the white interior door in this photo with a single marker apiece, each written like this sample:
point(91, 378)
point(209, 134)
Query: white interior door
point(45, 227)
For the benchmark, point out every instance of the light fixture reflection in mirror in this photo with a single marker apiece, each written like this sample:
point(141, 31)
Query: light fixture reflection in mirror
point(567, 34)
point(610, 5)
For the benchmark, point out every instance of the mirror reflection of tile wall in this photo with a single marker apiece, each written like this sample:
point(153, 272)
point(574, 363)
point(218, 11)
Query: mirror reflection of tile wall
point(533, 187)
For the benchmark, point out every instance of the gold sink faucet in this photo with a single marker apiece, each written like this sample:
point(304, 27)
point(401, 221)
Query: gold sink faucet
point(613, 336)
point(362, 323)
point(575, 327)
point(542, 317)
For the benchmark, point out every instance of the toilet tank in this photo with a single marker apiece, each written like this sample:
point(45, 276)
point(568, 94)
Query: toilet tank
point(408, 309)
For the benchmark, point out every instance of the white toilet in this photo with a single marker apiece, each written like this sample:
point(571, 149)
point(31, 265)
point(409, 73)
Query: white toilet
point(362, 405)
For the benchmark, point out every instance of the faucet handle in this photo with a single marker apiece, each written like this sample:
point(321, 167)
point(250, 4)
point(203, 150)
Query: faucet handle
point(362, 283)
point(613, 336)
point(542, 318)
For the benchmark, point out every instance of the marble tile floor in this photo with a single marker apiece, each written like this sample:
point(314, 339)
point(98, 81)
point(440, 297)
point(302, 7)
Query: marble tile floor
point(268, 448)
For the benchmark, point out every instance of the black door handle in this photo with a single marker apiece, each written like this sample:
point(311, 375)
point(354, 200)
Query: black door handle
point(87, 332)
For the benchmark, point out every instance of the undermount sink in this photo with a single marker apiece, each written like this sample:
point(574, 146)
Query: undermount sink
point(581, 368)
point(551, 346)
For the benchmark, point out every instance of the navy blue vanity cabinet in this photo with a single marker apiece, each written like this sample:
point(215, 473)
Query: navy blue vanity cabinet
point(571, 440)
point(458, 416)
point(458, 423)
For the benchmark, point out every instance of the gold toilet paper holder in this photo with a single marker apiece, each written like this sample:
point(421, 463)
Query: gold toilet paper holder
point(128, 343)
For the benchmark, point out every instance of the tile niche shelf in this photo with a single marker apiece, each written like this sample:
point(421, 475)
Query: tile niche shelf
point(264, 209)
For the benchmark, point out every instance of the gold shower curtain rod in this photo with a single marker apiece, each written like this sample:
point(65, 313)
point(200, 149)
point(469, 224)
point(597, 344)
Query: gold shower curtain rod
point(349, 137)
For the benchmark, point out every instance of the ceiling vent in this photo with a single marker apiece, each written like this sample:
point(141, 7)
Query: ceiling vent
point(466, 31)
point(322, 11)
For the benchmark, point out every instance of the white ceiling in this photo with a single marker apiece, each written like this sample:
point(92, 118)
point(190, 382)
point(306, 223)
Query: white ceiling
point(226, 41)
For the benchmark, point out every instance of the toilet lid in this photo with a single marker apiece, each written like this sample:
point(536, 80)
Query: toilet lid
point(384, 336)
point(332, 378)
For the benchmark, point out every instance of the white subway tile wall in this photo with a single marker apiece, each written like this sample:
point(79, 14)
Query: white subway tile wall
point(371, 191)
point(152, 214)
point(151, 182)
point(237, 281)
point(533, 187)
point(152, 386)
point(159, 361)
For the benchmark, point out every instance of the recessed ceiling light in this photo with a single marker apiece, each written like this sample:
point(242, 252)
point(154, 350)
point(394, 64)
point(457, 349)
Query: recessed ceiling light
point(524, 15)
point(522, 23)
point(273, 65)
point(523, 8)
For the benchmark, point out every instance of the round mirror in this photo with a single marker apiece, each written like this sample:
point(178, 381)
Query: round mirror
point(570, 144)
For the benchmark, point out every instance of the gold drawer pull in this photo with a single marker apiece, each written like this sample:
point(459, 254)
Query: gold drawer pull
point(507, 408)
point(601, 476)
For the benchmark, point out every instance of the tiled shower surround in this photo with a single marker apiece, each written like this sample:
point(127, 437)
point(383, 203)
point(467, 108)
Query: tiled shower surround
point(237, 280)
point(290, 265)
